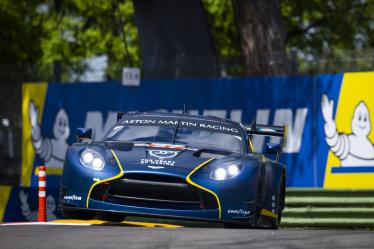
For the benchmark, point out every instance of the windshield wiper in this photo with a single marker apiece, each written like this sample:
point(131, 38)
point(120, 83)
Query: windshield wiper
point(175, 132)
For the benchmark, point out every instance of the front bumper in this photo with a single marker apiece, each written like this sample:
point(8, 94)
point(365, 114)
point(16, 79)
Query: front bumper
point(199, 198)
point(177, 200)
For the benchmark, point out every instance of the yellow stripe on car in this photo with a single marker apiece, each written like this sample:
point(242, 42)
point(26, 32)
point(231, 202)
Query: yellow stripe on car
point(125, 223)
point(251, 146)
point(98, 181)
point(188, 179)
point(268, 213)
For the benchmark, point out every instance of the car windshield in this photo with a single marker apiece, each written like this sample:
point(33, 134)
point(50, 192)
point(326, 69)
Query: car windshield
point(190, 137)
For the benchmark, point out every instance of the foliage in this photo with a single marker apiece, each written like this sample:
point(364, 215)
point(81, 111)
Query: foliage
point(41, 32)
point(86, 28)
point(320, 25)
point(316, 28)
point(221, 22)
point(69, 31)
point(21, 31)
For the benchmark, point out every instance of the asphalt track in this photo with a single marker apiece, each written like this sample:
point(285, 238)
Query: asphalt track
point(77, 234)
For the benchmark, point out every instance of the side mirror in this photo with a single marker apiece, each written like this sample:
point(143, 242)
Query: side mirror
point(84, 135)
point(273, 149)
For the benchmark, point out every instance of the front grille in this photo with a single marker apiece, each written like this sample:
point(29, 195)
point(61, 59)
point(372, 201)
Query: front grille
point(154, 191)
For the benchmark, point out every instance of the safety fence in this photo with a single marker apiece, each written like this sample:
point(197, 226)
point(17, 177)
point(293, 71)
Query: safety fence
point(332, 208)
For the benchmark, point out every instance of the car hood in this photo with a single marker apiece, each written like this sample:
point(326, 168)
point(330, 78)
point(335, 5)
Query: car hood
point(150, 157)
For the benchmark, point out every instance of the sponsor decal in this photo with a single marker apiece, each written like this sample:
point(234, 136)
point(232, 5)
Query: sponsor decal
point(162, 154)
point(31, 214)
point(72, 197)
point(348, 133)
point(159, 158)
point(155, 167)
point(50, 149)
point(355, 148)
point(157, 162)
point(238, 211)
point(208, 126)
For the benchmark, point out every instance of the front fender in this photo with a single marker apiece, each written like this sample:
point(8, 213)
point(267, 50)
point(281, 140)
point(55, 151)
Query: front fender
point(78, 181)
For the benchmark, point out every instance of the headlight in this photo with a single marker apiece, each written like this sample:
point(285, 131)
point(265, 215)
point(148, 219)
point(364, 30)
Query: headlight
point(92, 159)
point(226, 170)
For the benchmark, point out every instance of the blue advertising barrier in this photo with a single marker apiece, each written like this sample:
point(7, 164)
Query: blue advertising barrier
point(329, 143)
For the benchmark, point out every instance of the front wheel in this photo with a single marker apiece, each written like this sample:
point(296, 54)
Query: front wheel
point(280, 205)
point(114, 217)
point(236, 225)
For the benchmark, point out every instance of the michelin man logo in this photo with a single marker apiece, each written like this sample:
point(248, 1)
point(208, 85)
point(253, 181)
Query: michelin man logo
point(353, 149)
point(50, 150)
point(32, 215)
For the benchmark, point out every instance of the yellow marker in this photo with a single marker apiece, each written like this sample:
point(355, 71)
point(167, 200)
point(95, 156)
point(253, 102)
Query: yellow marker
point(90, 222)
point(201, 187)
point(4, 197)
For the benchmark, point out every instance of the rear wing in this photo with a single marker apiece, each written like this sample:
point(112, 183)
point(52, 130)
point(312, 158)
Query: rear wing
point(268, 130)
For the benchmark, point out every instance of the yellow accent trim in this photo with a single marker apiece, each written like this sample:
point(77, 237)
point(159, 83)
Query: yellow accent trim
point(201, 187)
point(4, 197)
point(285, 136)
point(268, 213)
point(35, 92)
point(131, 223)
point(251, 145)
point(149, 224)
point(108, 179)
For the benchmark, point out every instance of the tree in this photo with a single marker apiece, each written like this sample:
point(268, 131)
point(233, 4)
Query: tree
point(38, 33)
point(84, 28)
point(262, 37)
point(314, 29)
point(21, 31)
point(331, 35)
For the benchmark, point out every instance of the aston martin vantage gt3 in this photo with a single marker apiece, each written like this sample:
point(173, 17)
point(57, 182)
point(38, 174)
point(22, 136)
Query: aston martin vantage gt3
point(176, 166)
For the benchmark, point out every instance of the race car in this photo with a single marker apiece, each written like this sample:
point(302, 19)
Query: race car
point(176, 166)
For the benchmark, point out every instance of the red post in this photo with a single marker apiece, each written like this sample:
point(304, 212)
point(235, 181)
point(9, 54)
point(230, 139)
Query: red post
point(42, 215)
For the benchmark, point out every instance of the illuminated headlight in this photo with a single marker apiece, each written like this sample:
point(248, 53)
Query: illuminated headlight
point(225, 171)
point(92, 159)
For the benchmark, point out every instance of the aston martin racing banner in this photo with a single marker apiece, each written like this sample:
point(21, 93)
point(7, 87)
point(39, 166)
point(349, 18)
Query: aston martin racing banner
point(329, 145)
point(329, 140)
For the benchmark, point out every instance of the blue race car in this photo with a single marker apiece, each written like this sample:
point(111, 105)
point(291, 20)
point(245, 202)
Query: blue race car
point(175, 166)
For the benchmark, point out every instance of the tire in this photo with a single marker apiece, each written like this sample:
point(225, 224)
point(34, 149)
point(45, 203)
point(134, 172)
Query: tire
point(78, 215)
point(259, 203)
point(113, 217)
point(280, 205)
point(236, 226)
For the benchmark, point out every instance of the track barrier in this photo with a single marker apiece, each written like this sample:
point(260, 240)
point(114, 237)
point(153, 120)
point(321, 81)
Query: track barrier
point(329, 208)
point(42, 216)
